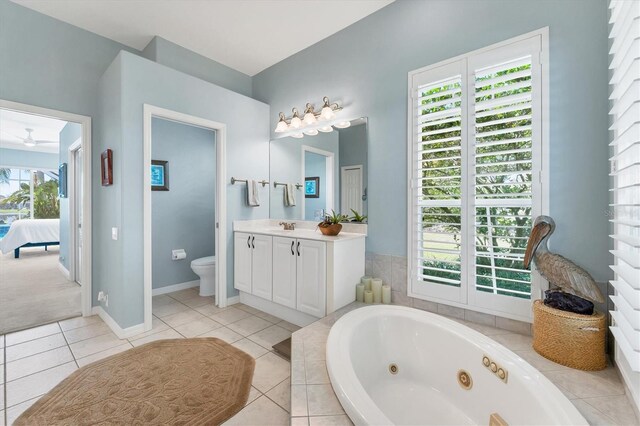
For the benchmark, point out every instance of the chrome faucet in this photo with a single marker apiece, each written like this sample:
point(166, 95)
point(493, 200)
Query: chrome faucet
point(288, 226)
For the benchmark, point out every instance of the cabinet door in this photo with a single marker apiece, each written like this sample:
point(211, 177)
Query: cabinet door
point(311, 277)
point(261, 266)
point(242, 261)
point(284, 271)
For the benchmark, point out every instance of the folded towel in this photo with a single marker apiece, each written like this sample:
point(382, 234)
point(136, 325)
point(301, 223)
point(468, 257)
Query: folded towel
point(290, 195)
point(253, 200)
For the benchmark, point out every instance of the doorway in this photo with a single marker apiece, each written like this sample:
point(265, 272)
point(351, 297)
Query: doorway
point(351, 189)
point(318, 166)
point(54, 258)
point(151, 113)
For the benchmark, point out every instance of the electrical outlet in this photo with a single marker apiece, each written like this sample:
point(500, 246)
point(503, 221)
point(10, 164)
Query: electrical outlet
point(103, 297)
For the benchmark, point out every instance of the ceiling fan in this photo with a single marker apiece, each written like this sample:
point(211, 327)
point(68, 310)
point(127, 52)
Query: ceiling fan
point(29, 141)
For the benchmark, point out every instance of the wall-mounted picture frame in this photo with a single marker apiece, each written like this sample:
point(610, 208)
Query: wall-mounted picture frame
point(62, 180)
point(312, 187)
point(106, 167)
point(159, 175)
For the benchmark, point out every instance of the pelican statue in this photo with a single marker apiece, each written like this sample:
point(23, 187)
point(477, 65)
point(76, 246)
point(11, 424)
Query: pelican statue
point(559, 271)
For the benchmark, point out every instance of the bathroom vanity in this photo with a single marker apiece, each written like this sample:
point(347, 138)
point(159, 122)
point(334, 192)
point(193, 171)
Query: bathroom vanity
point(299, 275)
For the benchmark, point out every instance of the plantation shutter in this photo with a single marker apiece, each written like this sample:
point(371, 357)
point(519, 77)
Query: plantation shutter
point(505, 134)
point(625, 172)
point(437, 181)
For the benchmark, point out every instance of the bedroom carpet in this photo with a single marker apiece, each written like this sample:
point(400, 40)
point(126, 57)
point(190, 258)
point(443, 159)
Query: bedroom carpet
point(200, 381)
point(33, 291)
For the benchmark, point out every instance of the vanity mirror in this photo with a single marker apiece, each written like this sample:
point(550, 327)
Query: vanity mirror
point(315, 174)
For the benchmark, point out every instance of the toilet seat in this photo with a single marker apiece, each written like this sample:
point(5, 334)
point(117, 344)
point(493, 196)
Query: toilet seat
point(204, 261)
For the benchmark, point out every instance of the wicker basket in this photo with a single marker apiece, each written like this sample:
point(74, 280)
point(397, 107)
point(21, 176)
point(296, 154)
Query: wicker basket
point(574, 340)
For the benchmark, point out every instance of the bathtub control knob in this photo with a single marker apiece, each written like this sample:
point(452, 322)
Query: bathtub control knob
point(494, 367)
point(486, 361)
point(501, 373)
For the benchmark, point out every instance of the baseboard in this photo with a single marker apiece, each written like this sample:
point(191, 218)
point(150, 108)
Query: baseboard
point(122, 333)
point(175, 287)
point(233, 300)
point(64, 271)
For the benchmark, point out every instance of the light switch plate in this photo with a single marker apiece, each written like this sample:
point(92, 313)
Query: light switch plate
point(114, 233)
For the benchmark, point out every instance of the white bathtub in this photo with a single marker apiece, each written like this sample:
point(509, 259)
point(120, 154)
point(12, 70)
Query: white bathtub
point(429, 351)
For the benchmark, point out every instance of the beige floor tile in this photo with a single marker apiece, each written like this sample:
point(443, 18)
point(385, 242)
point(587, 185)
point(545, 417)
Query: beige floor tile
point(253, 349)
point(288, 326)
point(539, 362)
point(197, 327)
point(101, 355)
point(270, 336)
point(37, 384)
point(209, 310)
point(249, 325)
point(270, 371)
point(197, 301)
point(314, 350)
point(262, 411)
point(584, 384)
point(271, 318)
point(281, 395)
point(169, 308)
point(617, 407)
point(14, 412)
point(2, 417)
point(39, 362)
point(322, 401)
point(253, 395)
point(181, 295)
point(157, 325)
point(513, 341)
point(316, 372)
point(83, 333)
point(95, 344)
point(230, 315)
point(299, 401)
point(2, 407)
point(182, 317)
point(32, 334)
point(330, 421)
point(223, 333)
point(33, 347)
point(299, 421)
point(77, 322)
point(161, 300)
point(593, 416)
point(166, 334)
point(298, 376)
point(246, 308)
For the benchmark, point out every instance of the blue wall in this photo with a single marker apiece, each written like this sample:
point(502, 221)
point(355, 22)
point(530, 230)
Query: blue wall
point(315, 165)
point(68, 135)
point(184, 216)
point(130, 82)
point(370, 61)
point(177, 57)
point(28, 159)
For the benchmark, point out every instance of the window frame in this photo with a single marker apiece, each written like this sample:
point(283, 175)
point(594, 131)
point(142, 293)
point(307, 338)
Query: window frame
point(465, 297)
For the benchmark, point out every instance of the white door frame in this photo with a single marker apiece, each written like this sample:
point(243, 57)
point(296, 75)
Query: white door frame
point(85, 122)
point(149, 112)
point(73, 219)
point(342, 170)
point(330, 172)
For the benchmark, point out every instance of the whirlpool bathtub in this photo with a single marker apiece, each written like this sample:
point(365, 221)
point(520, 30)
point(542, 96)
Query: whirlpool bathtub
point(402, 366)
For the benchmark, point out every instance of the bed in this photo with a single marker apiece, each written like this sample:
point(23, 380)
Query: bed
point(31, 233)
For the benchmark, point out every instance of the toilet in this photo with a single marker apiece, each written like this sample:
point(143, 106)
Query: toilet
point(205, 268)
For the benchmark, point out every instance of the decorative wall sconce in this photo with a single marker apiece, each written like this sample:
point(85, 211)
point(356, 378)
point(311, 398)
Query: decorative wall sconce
point(312, 121)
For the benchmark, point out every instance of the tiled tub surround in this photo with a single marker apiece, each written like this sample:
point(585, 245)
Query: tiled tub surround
point(599, 396)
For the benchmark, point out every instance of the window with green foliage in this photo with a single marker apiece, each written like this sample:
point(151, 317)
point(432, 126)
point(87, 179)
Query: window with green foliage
point(475, 155)
point(28, 194)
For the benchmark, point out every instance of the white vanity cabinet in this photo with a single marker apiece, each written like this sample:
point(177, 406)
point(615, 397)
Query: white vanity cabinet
point(253, 263)
point(299, 274)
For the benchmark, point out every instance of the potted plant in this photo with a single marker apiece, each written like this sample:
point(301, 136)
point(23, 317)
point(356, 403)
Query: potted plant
point(331, 224)
point(357, 217)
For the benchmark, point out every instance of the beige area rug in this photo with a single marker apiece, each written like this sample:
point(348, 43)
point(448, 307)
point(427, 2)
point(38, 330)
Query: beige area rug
point(33, 291)
point(201, 381)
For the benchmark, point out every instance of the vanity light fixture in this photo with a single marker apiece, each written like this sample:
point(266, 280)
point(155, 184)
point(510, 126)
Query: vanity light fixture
point(311, 120)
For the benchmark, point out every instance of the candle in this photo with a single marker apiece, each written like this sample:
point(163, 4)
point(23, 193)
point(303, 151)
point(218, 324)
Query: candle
point(386, 294)
point(367, 282)
point(360, 292)
point(376, 288)
point(368, 296)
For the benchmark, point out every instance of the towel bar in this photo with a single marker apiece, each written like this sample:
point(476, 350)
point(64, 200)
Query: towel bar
point(263, 182)
point(276, 184)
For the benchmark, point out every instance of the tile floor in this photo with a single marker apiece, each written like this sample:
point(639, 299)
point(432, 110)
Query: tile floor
point(33, 361)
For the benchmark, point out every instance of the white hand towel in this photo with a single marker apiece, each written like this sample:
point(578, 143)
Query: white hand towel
point(253, 200)
point(290, 195)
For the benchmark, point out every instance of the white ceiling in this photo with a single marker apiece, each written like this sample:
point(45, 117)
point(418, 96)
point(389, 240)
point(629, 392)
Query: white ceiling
point(12, 131)
point(247, 35)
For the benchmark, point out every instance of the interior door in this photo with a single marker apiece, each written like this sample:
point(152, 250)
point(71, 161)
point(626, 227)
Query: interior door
point(262, 266)
point(351, 189)
point(77, 205)
point(284, 271)
point(311, 277)
point(242, 261)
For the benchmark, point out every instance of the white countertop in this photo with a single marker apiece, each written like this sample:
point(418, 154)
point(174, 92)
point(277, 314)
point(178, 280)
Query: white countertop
point(304, 230)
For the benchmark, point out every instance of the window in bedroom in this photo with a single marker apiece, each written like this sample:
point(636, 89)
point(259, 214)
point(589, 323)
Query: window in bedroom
point(27, 194)
point(476, 172)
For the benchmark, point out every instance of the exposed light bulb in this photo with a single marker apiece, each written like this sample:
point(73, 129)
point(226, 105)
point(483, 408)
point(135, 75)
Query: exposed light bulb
point(327, 113)
point(282, 125)
point(311, 132)
point(297, 136)
point(296, 123)
point(342, 125)
point(326, 129)
point(310, 118)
